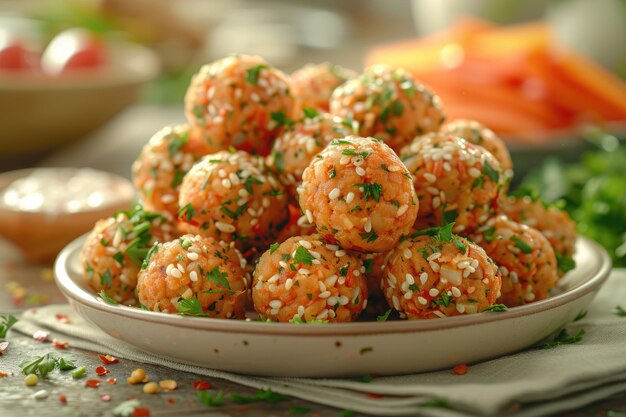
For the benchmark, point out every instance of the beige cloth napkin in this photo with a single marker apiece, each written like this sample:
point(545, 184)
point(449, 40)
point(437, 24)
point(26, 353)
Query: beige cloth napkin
point(530, 383)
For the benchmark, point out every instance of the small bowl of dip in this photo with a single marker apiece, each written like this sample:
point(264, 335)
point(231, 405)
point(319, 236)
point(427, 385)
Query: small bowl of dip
point(43, 209)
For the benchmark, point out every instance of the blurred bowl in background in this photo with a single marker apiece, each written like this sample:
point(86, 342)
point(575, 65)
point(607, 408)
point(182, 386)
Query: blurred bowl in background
point(39, 114)
point(42, 209)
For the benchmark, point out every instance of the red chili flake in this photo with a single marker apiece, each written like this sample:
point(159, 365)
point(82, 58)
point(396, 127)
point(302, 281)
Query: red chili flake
point(3, 347)
point(102, 371)
point(108, 359)
point(460, 369)
point(105, 397)
point(60, 344)
point(141, 412)
point(202, 385)
point(62, 318)
point(3, 375)
point(62, 399)
point(374, 395)
point(170, 400)
point(92, 383)
point(111, 381)
point(41, 336)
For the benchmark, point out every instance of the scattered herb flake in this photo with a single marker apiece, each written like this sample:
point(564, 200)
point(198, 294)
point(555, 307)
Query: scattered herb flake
point(233, 214)
point(252, 74)
point(332, 173)
point(281, 119)
point(371, 190)
point(490, 172)
point(444, 300)
point(303, 256)
point(273, 247)
point(6, 322)
point(488, 234)
point(563, 338)
point(151, 252)
point(368, 264)
point(369, 236)
point(105, 279)
point(106, 298)
point(310, 112)
point(352, 152)
point(299, 409)
point(190, 307)
point(619, 311)
point(187, 212)
point(384, 317)
point(449, 217)
point(521, 245)
point(581, 315)
point(497, 308)
point(220, 278)
point(210, 399)
point(565, 263)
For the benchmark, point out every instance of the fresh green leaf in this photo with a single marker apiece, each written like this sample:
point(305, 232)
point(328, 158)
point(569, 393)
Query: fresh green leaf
point(191, 307)
point(443, 300)
point(497, 308)
point(563, 338)
point(281, 119)
point(564, 263)
point(303, 256)
point(220, 278)
point(459, 245)
point(273, 247)
point(489, 234)
point(370, 236)
point(106, 298)
point(310, 113)
point(210, 399)
point(252, 74)
point(521, 245)
point(233, 214)
point(261, 395)
point(152, 251)
point(42, 365)
point(384, 317)
point(279, 163)
point(331, 173)
point(6, 322)
point(449, 217)
point(65, 364)
point(352, 152)
point(370, 190)
point(119, 258)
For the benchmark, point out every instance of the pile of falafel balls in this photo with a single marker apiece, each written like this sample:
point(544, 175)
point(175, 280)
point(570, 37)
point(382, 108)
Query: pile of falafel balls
point(306, 196)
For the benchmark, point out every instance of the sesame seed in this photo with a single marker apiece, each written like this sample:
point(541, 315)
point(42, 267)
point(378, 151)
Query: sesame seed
point(485, 281)
point(193, 275)
point(180, 267)
point(334, 193)
point(274, 311)
point(322, 315)
point(225, 227)
point(322, 286)
point(432, 190)
point(447, 167)
point(300, 311)
point(431, 178)
point(408, 295)
point(168, 198)
point(392, 278)
point(315, 254)
point(456, 292)
point(343, 300)
point(304, 271)
point(463, 264)
point(193, 256)
point(395, 168)
point(513, 276)
point(423, 278)
point(396, 302)
point(331, 301)
point(305, 243)
point(458, 228)
point(356, 273)
point(467, 272)
point(436, 202)
point(409, 278)
point(402, 209)
point(360, 171)
point(475, 173)
point(288, 283)
point(169, 269)
point(460, 308)
point(222, 173)
point(405, 286)
point(309, 216)
point(349, 197)
point(422, 300)
point(187, 294)
point(433, 292)
point(368, 225)
point(226, 183)
point(434, 256)
point(439, 314)
point(407, 253)
point(331, 280)
point(434, 266)
point(276, 304)
point(339, 253)
point(344, 160)
point(324, 294)
point(175, 273)
point(273, 278)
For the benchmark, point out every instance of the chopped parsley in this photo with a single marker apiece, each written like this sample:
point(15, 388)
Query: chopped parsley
point(444, 300)
point(619, 311)
point(146, 261)
point(273, 247)
point(303, 256)
point(352, 152)
point(310, 112)
point(384, 317)
point(336, 142)
point(449, 217)
point(220, 278)
point(187, 212)
point(42, 365)
point(563, 338)
point(460, 245)
point(281, 119)
point(190, 307)
point(369, 236)
point(521, 245)
point(106, 298)
point(252, 74)
point(278, 161)
point(105, 279)
point(119, 258)
point(497, 308)
point(565, 263)
point(581, 315)
point(343, 271)
point(488, 234)
point(177, 143)
point(369, 265)
point(248, 183)
point(212, 400)
point(370, 190)
point(332, 173)
point(262, 395)
point(490, 172)
point(233, 214)
point(397, 108)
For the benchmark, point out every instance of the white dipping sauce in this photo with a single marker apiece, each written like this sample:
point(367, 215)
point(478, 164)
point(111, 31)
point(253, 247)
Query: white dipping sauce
point(61, 190)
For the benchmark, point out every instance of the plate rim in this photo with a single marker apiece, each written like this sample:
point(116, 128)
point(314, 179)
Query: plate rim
point(75, 294)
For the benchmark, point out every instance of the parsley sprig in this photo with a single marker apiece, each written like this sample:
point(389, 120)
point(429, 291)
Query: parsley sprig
point(6, 322)
point(563, 338)
point(45, 364)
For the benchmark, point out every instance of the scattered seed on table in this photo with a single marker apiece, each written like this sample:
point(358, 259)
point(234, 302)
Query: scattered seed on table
point(151, 388)
point(31, 380)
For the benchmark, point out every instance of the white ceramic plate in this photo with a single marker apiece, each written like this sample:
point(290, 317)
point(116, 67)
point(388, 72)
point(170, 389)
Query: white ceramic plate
point(341, 349)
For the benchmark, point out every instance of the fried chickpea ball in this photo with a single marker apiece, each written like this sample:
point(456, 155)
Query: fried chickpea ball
point(455, 181)
point(439, 276)
point(525, 259)
point(553, 223)
point(115, 249)
point(195, 275)
point(476, 133)
point(388, 104)
point(294, 150)
point(359, 195)
point(239, 101)
point(312, 85)
point(304, 279)
point(233, 197)
point(162, 164)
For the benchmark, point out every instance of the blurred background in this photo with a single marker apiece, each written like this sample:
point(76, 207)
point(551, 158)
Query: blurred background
point(87, 82)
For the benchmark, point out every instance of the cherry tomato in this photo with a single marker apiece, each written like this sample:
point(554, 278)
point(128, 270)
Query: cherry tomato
point(16, 53)
point(71, 50)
